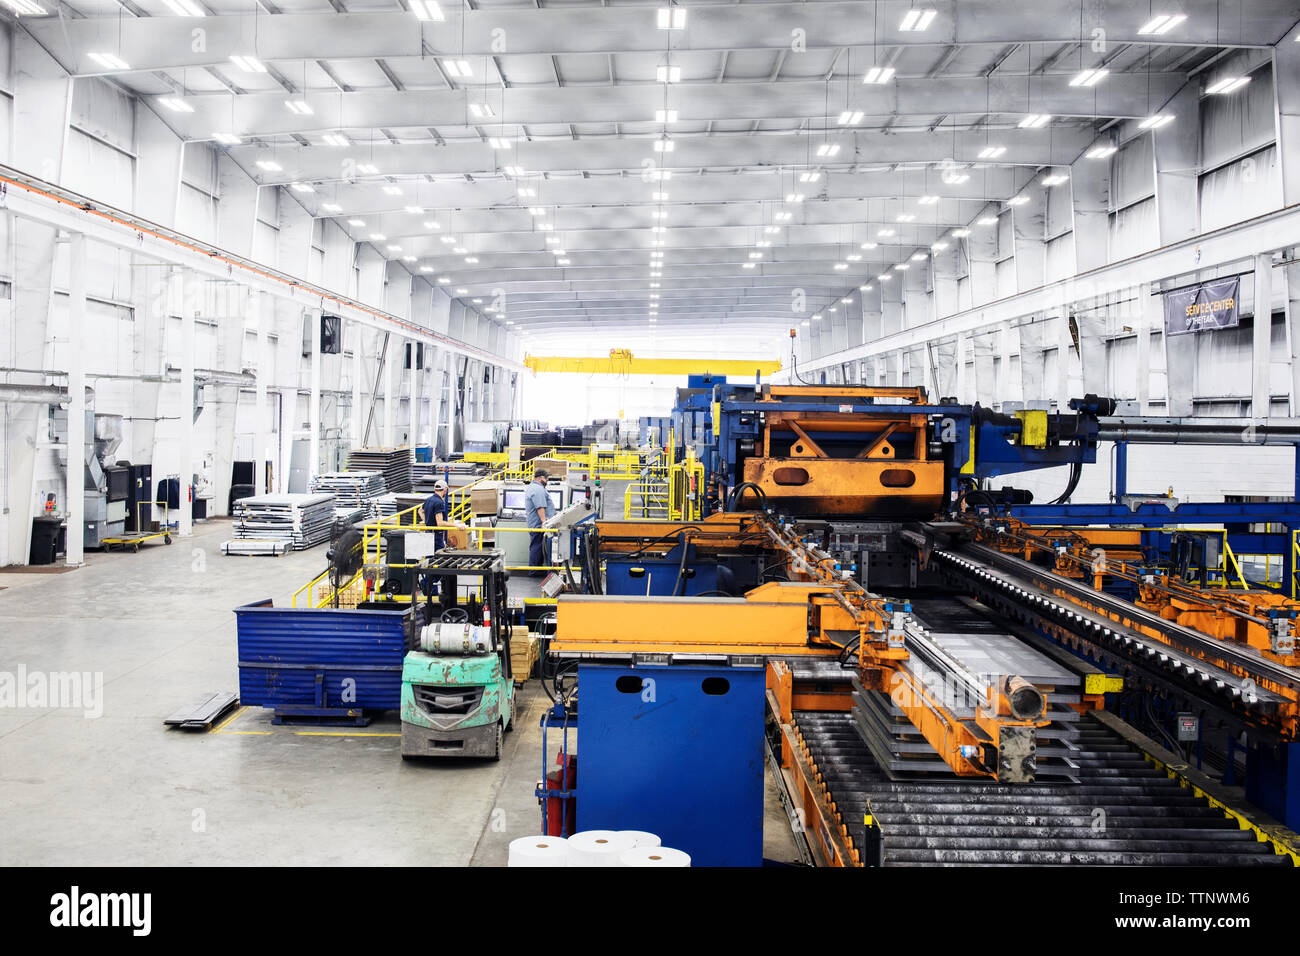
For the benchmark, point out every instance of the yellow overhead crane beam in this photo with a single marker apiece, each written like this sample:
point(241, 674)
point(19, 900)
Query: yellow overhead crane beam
point(622, 362)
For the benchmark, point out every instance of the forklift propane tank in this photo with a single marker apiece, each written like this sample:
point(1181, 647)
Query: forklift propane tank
point(440, 638)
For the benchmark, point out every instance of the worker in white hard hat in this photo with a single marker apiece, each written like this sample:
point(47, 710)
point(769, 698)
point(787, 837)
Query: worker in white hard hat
point(435, 513)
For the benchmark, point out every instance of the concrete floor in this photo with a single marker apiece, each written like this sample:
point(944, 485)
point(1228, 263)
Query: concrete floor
point(122, 789)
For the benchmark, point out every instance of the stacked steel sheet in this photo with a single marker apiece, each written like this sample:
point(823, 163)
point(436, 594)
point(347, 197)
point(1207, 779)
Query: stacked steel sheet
point(353, 490)
point(390, 504)
point(291, 522)
point(393, 463)
point(964, 635)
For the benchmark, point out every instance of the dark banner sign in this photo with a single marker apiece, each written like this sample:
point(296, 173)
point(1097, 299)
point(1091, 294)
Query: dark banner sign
point(1210, 305)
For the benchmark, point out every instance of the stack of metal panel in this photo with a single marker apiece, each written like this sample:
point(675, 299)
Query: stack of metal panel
point(353, 490)
point(393, 463)
point(979, 646)
point(281, 522)
point(390, 504)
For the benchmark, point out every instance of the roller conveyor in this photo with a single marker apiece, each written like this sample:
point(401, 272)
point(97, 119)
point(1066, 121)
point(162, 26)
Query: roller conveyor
point(1122, 811)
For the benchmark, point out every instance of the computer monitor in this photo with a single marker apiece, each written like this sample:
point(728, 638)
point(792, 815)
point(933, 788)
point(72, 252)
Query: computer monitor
point(513, 500)
point(557, 498)
point(578, 495)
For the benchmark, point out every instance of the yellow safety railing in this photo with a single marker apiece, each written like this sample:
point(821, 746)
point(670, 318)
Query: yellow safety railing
point(1295, 561)
point(616, 463)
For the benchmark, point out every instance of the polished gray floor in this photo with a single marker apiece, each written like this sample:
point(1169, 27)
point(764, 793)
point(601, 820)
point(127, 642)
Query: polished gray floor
point(120, 788)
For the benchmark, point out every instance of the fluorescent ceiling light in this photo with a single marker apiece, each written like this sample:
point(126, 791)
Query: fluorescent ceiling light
point(987, 221)
point(471, 260)
point(249, 64)
point(902, 267)
point(992, 152)
point(905, 217)
point(1229, 84)
point(828, 149)
point(809, 177)
point(432, 224)
point(841, 266)
point(919, 257)
point(764, 244)
point(394, 247)
point(927, 200)
point(176, 104)
point(269, 165)
point(659, 175)
point(771, 230)
point(756, 255)
point(1161, 24)
point(664, 145)
point(864, 288)
point(461, 251)
point(668, 74)
point(457, 69)
point(110, 61)
point(377, 237)
point(1101, 152)
point(356, 222)
point(886, 232)
point(302, 187)
point(1017, 200)
point(868, 245)
point(884, 277)
point(299, 107)
point(392, 190)
point(1055, 179)
point(443, 280)
point(956, 179)
point(960, 233)
point(748, 265)
point(1089, 77)
point(939, 246)
point(850, 118)
point(665, 116)
point(427, 10)
point(462, 291)
point(671, 18)
point(426, 268)
point(658, 214)
point(368, 169)
point(1035, 120)
point(879, 75)
point(415, 210)
point(794, 197)
point(515, 171)
point(184, 8)
point(545, 226)
point(331, 207)
point(481, 110)
point(1157, 121)
point(659, 196)
point(916, 20)
point(335, 139)
point(526, 192)
point(854, 258)
point(782, 216)
point(447, 240)
point(499, 142)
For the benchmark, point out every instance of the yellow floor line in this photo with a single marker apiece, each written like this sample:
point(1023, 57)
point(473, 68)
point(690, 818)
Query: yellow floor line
point(251, 733)
point(338, 733)
point(229, 720)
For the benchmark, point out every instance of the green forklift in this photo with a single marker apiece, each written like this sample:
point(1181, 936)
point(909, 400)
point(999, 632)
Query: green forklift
point(458, 693)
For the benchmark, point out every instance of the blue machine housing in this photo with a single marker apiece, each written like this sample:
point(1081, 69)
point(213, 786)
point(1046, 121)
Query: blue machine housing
point(299, 657)
point(676, 751)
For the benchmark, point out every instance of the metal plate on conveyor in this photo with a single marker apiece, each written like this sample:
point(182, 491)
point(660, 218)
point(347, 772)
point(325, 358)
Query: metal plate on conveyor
point(1001, 655)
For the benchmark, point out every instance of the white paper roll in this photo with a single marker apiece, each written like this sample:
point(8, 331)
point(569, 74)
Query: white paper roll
point(641, 838)
point(653, 856)
point(539, 851)
point(597, 847)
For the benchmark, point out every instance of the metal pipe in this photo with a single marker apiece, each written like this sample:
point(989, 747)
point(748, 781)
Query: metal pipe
point(39, 394)
point(1199, 431)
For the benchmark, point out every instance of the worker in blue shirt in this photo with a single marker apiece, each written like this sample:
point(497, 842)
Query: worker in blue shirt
point(536, 501)
point(435, 512)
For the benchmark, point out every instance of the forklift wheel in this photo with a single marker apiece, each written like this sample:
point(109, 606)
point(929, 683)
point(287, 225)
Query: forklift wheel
point(500, 742)
point(510, 722)
point(167, 539)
